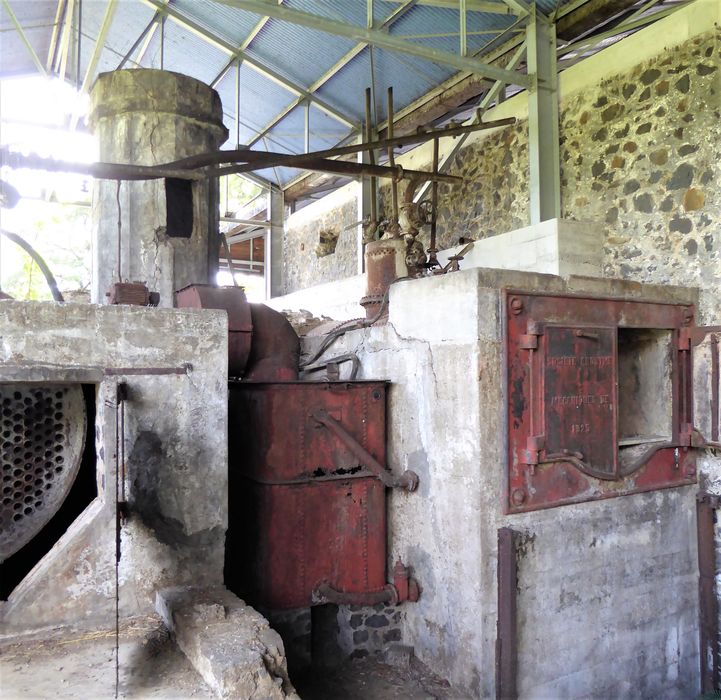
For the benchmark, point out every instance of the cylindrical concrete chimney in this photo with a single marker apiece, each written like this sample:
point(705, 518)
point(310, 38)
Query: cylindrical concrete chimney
point(167, 228)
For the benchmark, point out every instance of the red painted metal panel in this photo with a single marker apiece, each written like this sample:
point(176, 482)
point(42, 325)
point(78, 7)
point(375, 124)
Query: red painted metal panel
point(579, 386)
point(563, 393)
point(303, 511)
point(240, 326)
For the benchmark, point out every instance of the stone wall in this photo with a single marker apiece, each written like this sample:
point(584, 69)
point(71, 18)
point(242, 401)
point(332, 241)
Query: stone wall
point(363, 631)
point(640, 154)
point(304, 263)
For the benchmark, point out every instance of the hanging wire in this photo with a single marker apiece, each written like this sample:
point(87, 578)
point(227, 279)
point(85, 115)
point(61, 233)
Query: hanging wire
point(120, 224)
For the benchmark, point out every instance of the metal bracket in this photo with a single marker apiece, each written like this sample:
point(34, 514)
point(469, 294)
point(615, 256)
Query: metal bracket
point(528, 341)
point(407, 481)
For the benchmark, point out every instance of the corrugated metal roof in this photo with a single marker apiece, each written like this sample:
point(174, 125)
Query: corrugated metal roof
point(201, 35)
point(294, 50)
point(409, 76)
point(37, 20)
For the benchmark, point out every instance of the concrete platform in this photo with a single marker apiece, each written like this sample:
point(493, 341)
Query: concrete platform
point(81, 665)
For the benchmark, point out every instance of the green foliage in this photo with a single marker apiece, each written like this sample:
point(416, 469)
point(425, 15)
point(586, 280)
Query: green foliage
point(60, 233)
point(235, 192)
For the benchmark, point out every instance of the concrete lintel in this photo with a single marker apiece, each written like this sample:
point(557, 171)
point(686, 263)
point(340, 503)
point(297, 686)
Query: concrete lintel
point(543, 135)
point(50, 373)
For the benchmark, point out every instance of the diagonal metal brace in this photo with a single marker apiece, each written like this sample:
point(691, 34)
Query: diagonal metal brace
point(408, 480)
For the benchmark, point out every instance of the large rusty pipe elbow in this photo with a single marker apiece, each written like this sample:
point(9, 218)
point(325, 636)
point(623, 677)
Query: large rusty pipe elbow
point(275, 347)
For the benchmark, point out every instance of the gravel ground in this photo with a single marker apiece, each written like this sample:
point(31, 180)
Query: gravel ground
point(370, 679)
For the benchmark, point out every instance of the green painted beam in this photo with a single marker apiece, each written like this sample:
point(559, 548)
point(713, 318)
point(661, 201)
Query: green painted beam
point(374, 37)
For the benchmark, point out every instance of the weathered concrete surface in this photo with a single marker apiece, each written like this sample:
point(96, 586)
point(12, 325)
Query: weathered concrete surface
point(80, 665)
point(175, 447)
point(339, 300)
point(151, 117)
point(600, 583)
point(230, 644)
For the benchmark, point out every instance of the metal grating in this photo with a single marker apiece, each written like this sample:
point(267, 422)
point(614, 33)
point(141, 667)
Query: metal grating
point(42, 435)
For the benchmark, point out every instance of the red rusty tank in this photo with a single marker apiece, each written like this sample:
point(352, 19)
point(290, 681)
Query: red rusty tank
point(304, 513)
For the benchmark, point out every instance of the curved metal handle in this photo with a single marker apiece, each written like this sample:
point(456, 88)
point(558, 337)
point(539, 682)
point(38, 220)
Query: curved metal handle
point(408, 480)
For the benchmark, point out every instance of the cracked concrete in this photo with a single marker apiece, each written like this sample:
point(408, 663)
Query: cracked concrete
point(442, 350)
point(151, 117)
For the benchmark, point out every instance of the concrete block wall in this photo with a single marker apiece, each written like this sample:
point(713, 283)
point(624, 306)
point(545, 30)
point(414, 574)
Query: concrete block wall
point(175, 446)
point(607, 593)
point(553, 247)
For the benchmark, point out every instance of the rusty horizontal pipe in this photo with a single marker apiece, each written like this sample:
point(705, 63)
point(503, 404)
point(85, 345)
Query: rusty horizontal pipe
point(122, 171)
point(338, 167)
point(100, 171)
point(325, 593)
point(297, 160)
point(185, 168)
point(407, 481)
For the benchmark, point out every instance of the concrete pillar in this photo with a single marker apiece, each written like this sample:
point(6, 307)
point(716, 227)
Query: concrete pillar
point(275, 282)
point(543, 139)
point(151, 117)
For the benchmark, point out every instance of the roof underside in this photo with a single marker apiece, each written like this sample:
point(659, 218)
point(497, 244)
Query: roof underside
point(285, 86)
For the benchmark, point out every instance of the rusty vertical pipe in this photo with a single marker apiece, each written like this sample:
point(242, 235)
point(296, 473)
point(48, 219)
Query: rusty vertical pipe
point(391, 159)
point(506, 633)
point(706, 504)
point(371, 158)
point(432, 250)
point(715, 400)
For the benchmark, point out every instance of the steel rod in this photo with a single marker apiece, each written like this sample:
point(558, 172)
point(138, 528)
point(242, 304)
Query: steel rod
point(290, 160)
point(391, 158)
point(507, 632)
point(371, 159)
point(434, 205)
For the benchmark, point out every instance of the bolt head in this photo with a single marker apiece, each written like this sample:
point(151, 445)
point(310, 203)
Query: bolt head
point(516, 305)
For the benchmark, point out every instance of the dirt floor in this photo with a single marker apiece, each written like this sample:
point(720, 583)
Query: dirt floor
point(370, 679)
point(81, 666)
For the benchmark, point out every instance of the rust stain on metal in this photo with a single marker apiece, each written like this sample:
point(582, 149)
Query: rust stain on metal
point(507, 630)
point(706, 505)
point(130, 293)
point(573, 393)
point(240, 326)
point(306, 511)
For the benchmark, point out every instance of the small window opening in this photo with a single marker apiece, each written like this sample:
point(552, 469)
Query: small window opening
point(327, 242)
point(645, 396)
point(179, 207)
